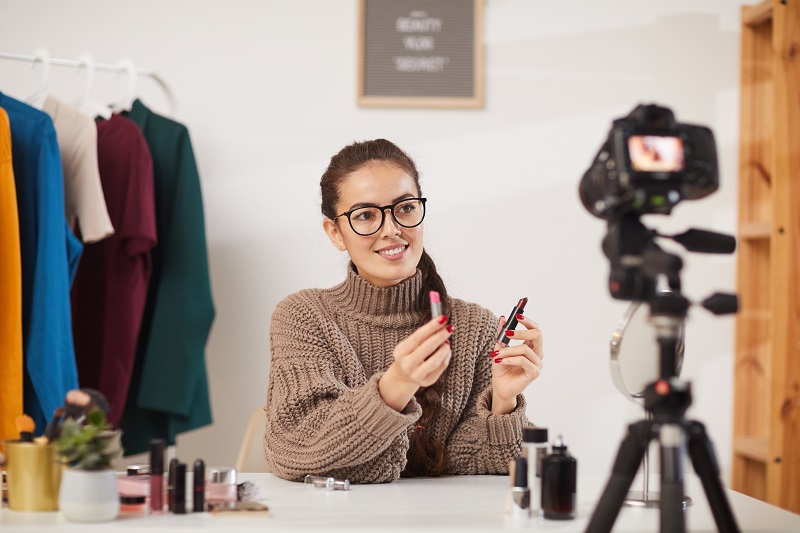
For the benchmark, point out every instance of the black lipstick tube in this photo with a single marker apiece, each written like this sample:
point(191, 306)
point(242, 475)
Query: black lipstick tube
point(199, 487)
point(512, 321)
point(179, 489)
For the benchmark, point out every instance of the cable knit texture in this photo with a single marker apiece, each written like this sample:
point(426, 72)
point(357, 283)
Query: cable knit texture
point(325, 415)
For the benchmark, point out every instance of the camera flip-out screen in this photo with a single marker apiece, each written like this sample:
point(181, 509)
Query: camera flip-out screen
point(655, 153)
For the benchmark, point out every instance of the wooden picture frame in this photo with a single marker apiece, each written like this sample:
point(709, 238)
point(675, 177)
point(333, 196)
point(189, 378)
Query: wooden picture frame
point(421, 53)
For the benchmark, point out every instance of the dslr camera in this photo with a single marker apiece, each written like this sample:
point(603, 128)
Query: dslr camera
point(648, 164)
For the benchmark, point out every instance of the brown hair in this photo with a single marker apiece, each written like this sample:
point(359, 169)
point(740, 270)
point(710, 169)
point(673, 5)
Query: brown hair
point(426, 456)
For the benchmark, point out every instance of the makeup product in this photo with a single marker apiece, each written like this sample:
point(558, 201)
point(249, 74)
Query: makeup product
point(534, 448)
point(132, 504)
point(157, 447)
point(247, 491)
point(133, 493)
point(221, 487)
point(436, 304)
point(327, 483)
point(247, 509)
point(179, 489)
point(26, 427)
point(511, 321)
point(520, 494)
point(171, 485)
point(138, 470)
point(199, 487)
point(559, 483)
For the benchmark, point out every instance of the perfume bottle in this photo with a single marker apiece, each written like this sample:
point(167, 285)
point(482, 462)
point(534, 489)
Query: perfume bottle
point(559, 483)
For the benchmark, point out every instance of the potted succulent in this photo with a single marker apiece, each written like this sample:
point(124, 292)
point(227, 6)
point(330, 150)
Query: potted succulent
point(89, 485)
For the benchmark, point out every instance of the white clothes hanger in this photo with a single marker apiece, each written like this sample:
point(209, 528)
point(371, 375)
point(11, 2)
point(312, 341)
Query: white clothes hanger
point(125, 66)
point(129, 69)
point(85, 104)
point(41, 55)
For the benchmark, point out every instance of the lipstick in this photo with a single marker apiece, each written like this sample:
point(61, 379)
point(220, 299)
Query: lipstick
point(512, 321)
point(157, 447)
point(179, 489)
point(199, 485)
point(436, 304)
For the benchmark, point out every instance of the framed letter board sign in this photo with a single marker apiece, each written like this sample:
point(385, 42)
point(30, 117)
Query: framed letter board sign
point(420, 53)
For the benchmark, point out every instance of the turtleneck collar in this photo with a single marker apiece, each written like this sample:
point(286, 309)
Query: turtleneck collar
point(359, 297)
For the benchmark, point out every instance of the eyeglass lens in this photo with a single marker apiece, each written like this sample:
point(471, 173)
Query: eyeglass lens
point(368, 220)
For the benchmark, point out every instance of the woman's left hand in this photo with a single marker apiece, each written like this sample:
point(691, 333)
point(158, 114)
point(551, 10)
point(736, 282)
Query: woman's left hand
point(515, 367)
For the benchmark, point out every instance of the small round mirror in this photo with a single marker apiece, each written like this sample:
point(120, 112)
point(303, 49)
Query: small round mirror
point(635, 357)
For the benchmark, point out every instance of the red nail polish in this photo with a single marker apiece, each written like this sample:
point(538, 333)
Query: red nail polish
point(520, 316)
point(494, 354)
point(498, 360)
point(447, 341)
point(509, 333)
point(442, 319)
point(449, 328)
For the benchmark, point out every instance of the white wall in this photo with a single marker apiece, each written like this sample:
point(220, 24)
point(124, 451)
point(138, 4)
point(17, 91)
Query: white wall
point(267, 89)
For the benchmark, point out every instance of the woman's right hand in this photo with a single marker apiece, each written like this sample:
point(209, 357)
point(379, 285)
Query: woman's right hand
point(419, 360)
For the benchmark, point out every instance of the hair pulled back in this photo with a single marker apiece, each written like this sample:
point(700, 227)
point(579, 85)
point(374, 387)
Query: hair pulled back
point(426, 456)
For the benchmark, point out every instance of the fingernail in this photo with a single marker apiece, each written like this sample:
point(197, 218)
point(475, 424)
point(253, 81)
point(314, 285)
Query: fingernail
point(509, 333)
point(519, 316)
point(447, 341)
point(494, 354)
point(498, 360)
point(442, 319)
point(449, 328)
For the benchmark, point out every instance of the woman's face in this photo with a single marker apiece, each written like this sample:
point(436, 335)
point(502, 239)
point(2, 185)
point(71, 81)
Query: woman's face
point(391, 254)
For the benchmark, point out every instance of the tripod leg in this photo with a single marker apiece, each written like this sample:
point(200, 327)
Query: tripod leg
point(705, 464)
point(672, 518)
point(629, 458)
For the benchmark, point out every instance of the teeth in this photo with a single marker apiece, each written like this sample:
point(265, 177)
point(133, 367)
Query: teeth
point(393, 251)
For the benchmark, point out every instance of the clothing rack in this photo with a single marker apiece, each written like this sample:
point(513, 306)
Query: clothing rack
point(125, 66)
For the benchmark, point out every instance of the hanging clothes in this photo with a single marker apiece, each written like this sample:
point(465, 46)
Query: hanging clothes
point(50, 253)
point(84, 203)
point(110, 288)
point(169, 387)
point(11, 405)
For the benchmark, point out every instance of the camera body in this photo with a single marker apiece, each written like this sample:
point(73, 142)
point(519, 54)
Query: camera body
point(648, 164)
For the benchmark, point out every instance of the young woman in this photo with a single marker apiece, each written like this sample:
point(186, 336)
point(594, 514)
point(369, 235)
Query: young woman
point(364, 384)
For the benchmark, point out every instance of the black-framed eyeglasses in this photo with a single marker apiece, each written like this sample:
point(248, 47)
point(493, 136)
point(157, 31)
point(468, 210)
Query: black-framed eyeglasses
point(408, 212)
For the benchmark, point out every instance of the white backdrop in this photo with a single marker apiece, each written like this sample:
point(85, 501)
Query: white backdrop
point(268, 88)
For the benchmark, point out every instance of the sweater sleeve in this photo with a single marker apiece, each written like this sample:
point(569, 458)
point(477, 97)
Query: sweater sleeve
point(482, 442)
point(318, 421)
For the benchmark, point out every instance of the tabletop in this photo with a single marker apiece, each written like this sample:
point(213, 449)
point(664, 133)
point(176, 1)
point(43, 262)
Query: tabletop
point(463, 503)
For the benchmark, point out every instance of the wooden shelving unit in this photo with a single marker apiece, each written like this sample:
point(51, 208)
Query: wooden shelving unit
point(766, 449)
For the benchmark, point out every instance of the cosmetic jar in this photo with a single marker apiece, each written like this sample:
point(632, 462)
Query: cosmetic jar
point(221, 486)
point(134, 492)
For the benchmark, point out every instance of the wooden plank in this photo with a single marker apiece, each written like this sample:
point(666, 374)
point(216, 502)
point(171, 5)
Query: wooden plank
point(783, 472)
point(752, 323)
point(755, 230)
point(754, 449)
point(757, 14)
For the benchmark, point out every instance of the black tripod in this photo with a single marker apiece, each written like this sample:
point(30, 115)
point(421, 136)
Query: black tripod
point(636, 265)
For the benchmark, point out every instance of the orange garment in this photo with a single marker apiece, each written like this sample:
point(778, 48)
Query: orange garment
point(10, 291)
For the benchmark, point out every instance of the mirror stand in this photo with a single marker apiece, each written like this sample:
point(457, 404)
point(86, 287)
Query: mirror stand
point(646, 498)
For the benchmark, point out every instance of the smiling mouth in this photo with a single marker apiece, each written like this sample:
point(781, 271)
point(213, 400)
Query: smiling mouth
point(392, 252)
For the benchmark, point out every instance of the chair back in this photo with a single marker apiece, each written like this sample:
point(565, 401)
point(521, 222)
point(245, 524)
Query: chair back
point(251, 452)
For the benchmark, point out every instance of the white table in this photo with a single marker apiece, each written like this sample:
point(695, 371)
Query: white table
point(463, 504)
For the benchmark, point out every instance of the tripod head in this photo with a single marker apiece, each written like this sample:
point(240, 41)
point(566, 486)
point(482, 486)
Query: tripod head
point(643, 271)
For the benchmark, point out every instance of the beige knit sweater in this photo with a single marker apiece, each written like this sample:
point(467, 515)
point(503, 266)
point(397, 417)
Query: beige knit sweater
point(325, 415)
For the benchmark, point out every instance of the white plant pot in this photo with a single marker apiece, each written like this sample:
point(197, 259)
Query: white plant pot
point(87, 496)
